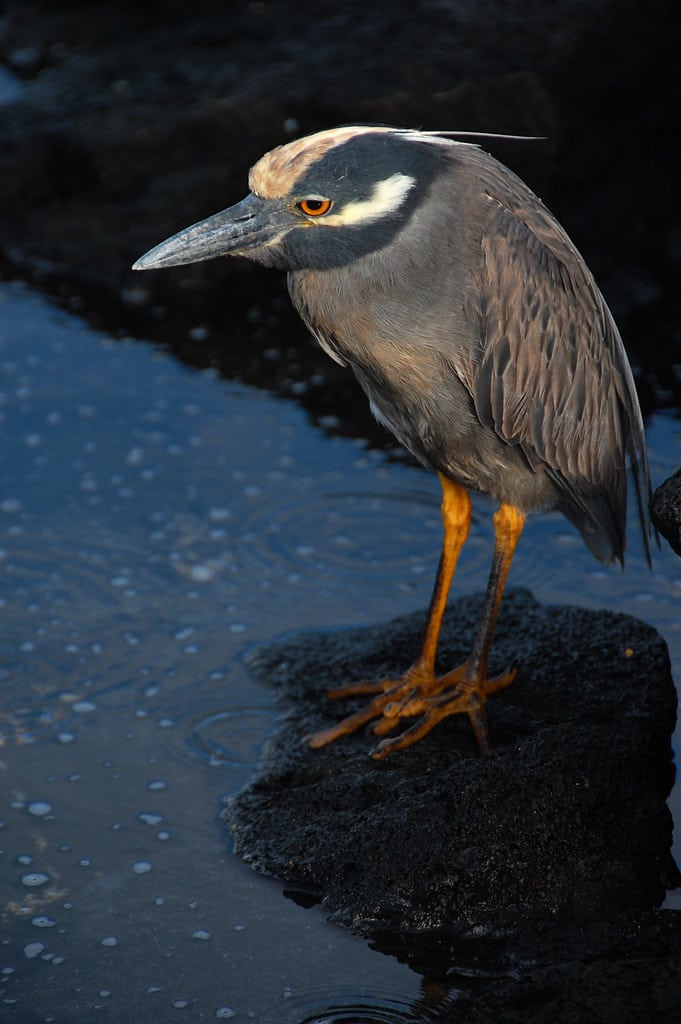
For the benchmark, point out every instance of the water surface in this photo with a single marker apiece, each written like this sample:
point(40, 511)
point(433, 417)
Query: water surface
point(155, 524)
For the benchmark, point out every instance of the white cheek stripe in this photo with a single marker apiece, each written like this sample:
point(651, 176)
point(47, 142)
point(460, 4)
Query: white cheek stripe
point(387, 196)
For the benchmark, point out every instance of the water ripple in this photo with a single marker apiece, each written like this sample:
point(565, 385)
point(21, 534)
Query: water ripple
point(230, 737)
point(372, 535)
point(345, 1006)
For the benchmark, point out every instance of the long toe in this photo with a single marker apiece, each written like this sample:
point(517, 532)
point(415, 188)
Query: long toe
point(469, 700)
point(363, 688)
point(420, 695)
point(389, 693)
point(346, 726)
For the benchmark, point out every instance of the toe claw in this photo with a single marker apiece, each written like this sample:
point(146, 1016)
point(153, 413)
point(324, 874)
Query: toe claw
point(416, 695)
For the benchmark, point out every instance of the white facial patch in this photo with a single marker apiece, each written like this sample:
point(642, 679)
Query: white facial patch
point(387, 197)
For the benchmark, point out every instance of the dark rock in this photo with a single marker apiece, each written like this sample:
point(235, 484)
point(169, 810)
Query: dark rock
point(530, 851)
point(665, 510)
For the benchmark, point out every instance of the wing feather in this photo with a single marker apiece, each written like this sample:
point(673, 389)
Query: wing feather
point(552, 375)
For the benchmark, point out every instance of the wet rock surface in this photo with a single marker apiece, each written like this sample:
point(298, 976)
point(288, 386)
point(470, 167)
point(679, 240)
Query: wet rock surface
point(665, 509)
point(549, 851)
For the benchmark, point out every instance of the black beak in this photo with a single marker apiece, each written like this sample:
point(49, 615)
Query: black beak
point(251, 224)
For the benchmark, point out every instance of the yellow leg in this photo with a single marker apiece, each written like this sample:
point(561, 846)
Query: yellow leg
point(456, 519)
point(420, 678)
point(466, 692)
point(419, 692)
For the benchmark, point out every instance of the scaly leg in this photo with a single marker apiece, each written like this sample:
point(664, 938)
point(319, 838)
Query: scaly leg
point(419, 692)
point(466, 693)
point(420, 677)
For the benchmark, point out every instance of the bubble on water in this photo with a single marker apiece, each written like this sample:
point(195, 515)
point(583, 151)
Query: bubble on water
point(65, 737)
point(220, 514)
point(32, 879)
point(109, 940)
point(224, 1012)
point(202, 573)
point(180, 1004)
point(24, 859)
point(39, 808)
point(163, 835)
point(150, 819)
point(201, 933)
point(33, 949)
point(83, 707)
point(141, 867)
point(43, 921)
point(156, 784)
point(135, 456)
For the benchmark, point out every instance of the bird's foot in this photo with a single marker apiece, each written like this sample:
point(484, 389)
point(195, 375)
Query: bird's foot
point(417, 694)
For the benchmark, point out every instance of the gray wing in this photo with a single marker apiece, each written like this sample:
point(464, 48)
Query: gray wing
point(552, 374)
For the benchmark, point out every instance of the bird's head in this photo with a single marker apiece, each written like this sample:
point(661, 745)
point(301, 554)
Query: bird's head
point(320, 202)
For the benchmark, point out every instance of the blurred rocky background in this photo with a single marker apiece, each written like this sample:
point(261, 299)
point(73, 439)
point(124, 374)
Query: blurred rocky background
point(124, 122)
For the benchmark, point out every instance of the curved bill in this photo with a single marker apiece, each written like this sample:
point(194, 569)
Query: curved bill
point(250, 224)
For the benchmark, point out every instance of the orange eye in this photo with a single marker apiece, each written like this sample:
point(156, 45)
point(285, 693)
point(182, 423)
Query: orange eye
point(314, 207)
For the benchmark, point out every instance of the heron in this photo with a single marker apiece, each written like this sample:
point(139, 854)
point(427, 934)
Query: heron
point(483, 343)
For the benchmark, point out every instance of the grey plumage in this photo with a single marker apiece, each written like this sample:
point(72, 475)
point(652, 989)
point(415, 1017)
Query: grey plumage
point(498, 323)
point(466, 313)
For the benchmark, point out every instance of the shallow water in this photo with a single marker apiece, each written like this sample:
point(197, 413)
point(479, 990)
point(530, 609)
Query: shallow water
point(155, 524)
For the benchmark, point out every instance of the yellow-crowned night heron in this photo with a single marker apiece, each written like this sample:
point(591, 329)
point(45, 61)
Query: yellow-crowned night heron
point(481, 339)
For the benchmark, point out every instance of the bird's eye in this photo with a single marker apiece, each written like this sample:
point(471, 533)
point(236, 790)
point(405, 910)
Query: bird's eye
point(314, 207)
